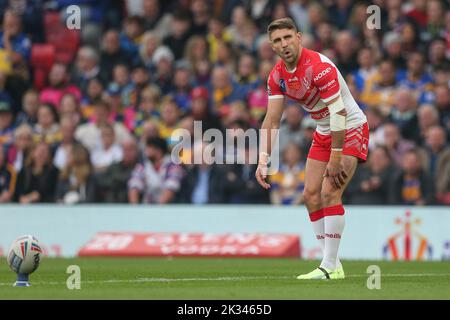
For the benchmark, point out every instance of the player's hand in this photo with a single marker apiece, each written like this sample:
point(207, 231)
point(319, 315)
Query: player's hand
point(261, 175)
point(335, 173)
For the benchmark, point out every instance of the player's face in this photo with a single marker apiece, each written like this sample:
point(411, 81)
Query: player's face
point(286, 44)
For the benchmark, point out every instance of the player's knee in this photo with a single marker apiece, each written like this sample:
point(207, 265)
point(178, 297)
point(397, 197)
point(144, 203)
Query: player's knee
point(329, 197)
point(311, 197)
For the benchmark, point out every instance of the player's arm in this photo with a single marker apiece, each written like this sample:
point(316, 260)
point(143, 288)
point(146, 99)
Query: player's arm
point(326, 79)
point(271, 122)
point(338, 118)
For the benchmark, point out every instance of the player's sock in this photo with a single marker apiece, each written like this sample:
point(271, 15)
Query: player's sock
point(318, 223)
point(334, 223)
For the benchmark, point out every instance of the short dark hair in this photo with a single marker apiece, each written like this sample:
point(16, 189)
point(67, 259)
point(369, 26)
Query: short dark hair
point(159, 143)
point(283, 23)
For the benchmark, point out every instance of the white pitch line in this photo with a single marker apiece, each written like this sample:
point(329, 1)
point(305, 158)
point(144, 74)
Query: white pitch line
point(145, 280)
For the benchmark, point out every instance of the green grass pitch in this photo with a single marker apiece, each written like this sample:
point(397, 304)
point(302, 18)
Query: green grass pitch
point(211, 278)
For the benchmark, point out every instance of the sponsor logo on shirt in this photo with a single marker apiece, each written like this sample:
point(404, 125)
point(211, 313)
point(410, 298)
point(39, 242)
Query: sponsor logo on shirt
point(329, 84)
point(323, 73)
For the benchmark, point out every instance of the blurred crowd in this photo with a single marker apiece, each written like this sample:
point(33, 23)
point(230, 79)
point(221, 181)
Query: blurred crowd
point(98, 127)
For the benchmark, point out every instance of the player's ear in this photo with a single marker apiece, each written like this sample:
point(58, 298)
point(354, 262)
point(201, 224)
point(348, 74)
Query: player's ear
point(299, 35)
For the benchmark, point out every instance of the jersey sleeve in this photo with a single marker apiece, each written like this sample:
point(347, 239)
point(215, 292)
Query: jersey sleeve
point(273, 87)
point(325, 78)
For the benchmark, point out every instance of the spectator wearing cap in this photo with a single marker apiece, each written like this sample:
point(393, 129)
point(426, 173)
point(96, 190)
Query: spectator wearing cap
point(111, 54)
point(182, 85)
point(163, 61)
point(8, 177)
point(200, 110)
point(6, 124)
point(418, 12)
point(157, 179)
point(59, 84)
point(30, 104)
point(147, 109)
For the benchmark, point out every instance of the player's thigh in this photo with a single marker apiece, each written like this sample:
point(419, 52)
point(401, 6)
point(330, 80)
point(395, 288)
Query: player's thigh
point(314, 172)
point(328, 190)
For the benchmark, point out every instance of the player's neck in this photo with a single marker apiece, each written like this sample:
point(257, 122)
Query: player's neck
point(291, 67)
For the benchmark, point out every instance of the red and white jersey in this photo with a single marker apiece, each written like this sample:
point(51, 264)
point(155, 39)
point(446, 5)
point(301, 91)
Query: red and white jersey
point(314, 81)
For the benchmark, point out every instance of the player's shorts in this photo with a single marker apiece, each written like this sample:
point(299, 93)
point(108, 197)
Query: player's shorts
point(356, 144)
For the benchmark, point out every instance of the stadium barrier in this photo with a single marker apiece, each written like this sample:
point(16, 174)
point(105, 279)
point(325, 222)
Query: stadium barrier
point(372, 232)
